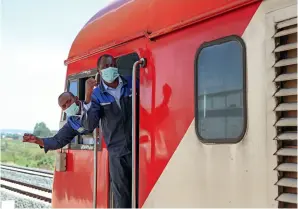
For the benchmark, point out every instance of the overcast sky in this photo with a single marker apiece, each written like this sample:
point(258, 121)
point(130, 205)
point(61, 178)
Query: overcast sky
point(35, 39)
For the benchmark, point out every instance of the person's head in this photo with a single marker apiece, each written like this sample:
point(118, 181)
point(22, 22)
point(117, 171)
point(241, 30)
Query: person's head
point(69, 103)
point(107, 68)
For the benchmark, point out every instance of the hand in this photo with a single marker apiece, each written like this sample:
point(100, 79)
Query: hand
point(90, 84)
point(32, 139)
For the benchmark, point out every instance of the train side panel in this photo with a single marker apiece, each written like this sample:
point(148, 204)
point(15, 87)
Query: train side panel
point(189, 173)
point(175, 168)
point(74, 187)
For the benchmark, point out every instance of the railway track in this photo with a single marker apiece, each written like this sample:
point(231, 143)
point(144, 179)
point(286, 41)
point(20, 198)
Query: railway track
point(25, 189)
point(31, 171)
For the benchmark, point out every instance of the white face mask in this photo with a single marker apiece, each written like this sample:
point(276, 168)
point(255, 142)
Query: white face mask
point(72, 109)
point(109, 74)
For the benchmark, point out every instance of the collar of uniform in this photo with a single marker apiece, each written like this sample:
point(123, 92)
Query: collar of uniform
point(81, 110)
point(107, 87)
point(103, 87)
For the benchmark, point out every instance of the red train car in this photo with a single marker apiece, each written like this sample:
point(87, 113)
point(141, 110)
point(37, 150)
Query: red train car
point(217, 124)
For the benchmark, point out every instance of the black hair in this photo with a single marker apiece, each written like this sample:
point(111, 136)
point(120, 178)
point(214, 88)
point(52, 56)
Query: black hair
point(66, 92)
point(103, 56)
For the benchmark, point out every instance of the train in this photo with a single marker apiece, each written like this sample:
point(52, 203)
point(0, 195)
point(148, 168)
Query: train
point(216, 120)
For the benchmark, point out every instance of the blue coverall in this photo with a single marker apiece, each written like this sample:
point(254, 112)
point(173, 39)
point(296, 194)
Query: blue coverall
point(65, 135)
point(116, 122)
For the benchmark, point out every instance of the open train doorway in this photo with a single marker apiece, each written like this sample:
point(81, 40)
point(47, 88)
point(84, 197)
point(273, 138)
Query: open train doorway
point(125, 68)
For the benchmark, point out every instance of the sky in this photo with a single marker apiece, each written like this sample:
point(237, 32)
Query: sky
point(35, 40)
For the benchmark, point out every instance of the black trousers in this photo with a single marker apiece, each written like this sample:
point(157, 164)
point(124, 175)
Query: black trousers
point(121, 176)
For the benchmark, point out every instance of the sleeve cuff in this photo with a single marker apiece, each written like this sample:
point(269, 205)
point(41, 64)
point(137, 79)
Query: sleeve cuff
point(45, 147)
point(87, 106)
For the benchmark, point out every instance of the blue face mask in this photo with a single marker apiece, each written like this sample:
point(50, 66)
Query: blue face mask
point(72, 109)
point(109, 74)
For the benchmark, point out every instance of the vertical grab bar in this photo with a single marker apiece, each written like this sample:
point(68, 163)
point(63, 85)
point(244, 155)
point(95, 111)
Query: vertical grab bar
point(142, 63)
point(95, 170)
point(95, 160)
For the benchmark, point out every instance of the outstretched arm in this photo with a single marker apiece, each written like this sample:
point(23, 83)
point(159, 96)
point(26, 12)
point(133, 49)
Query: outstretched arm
point(62, 138)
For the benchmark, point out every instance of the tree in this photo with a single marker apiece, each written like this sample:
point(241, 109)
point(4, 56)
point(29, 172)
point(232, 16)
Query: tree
point(41, 130)
point(15, 136)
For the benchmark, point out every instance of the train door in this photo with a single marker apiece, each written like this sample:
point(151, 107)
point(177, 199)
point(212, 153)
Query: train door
point(125, 65)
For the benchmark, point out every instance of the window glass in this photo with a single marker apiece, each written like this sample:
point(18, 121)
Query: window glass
point(125, 64)
point(220, 91)
point(73, 87)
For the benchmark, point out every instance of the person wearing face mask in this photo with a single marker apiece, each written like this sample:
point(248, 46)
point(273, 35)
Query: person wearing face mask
point(111, 104)
point(71, 105)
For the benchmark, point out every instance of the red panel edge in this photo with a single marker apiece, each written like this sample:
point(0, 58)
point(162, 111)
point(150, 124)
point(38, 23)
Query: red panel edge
point(164, 31)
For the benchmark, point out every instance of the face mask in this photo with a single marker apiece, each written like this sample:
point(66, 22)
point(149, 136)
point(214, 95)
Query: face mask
point(72, 109)
point(109, 74)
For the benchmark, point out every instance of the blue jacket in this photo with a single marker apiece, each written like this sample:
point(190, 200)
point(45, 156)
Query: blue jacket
point(116, 122)
point(65, 135)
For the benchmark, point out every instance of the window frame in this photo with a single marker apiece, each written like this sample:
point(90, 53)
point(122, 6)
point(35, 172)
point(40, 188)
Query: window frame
point(244, 99)
point(77, 78)
point(73, 80)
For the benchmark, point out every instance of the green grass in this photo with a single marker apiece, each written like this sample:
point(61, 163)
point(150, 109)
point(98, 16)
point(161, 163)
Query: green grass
point(26, 154)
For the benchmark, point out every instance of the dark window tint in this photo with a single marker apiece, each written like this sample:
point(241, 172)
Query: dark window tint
point(73, 87)
point(82, 86)
point(220, 83)
point(125, 63)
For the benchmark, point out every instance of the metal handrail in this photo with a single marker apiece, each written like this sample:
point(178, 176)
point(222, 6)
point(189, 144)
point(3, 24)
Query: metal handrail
point(142, 63)
point(95, 170)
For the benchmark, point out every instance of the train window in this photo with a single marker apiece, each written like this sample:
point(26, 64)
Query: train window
point(82, 86)
point(73, 87)
point(220, 91)
point(76, 85)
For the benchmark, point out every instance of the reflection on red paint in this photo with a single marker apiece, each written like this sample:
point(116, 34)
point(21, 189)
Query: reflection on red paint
point(166, 85)
point(173, 64)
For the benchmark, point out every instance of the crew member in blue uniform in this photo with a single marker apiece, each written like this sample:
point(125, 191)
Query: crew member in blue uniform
point(73, 108)
point(111, 103)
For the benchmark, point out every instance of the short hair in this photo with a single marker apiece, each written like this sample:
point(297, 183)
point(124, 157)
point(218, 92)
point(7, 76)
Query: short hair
point(105, 56)
point(66, 92)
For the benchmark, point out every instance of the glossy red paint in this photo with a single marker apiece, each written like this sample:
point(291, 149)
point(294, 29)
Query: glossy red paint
point(166, 85)
point(141, 18)
point(74, 188)
point(172, 58)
